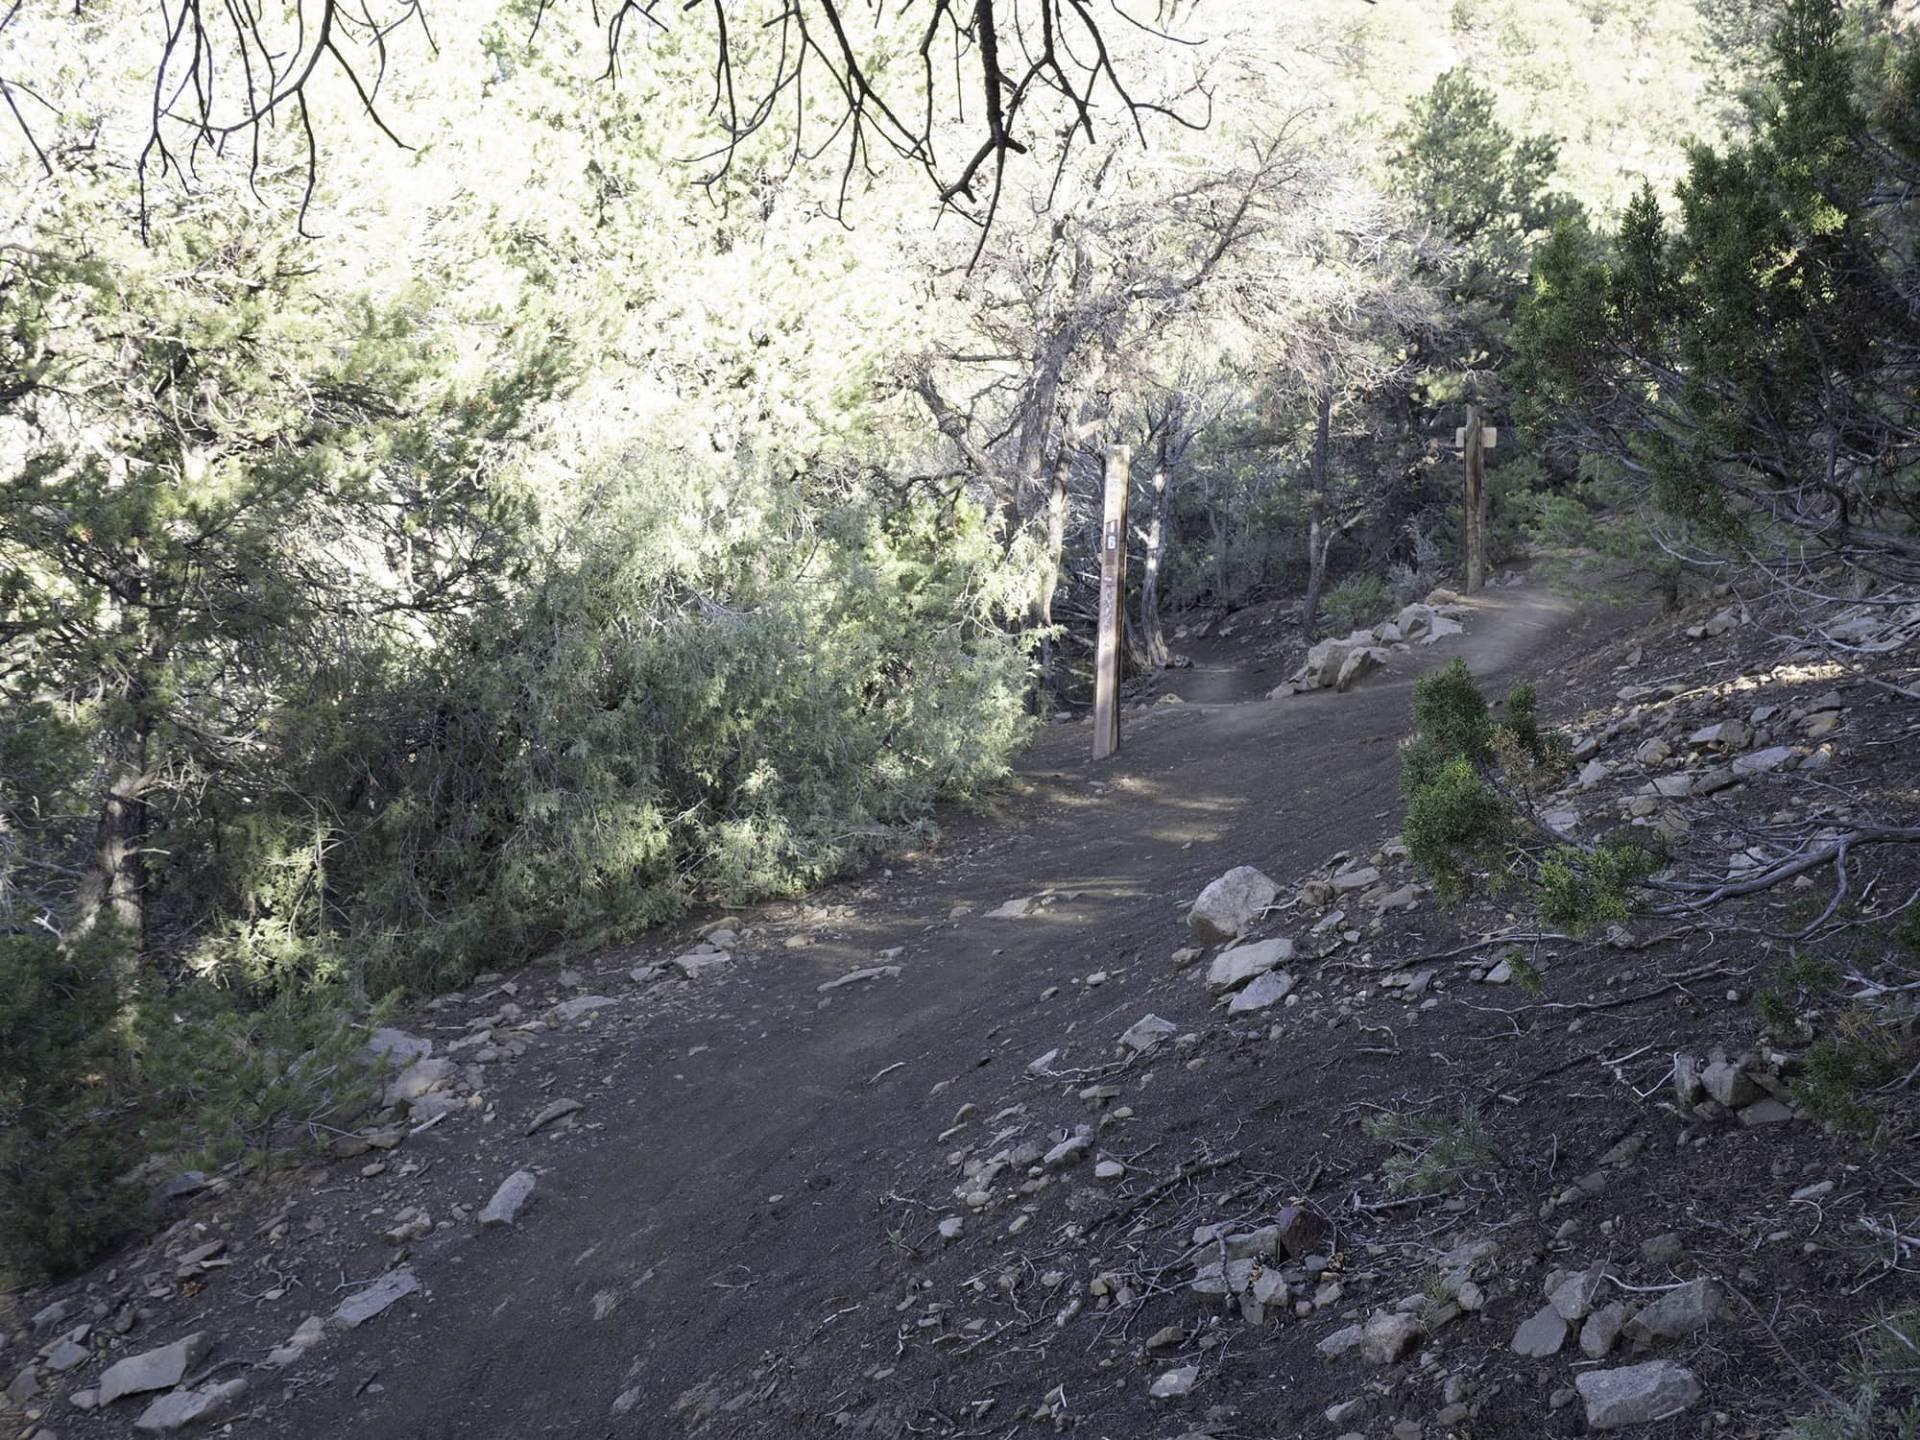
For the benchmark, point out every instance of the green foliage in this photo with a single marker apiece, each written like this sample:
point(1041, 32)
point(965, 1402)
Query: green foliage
point(61, 1150)
point(1456, 827)
point(1883, 1399)
point(1717, 357)
point(1355, 601)
point(1839, 1068)
point(1434, 1151)
point(1526, 975)
point(1581, 890)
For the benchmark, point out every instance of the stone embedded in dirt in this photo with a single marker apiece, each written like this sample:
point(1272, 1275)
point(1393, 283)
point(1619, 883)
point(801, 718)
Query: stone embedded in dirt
point(1686, 1078)
point(1236, 966)
point(1230, 904)
point(189, 1407)
point(1729, 1083)
point(1766, 1112)
point(1761, 761)
point(160, 1369)
point(310, 1333)
point(1267, 989)
point(1727, 735)
point(1636, 1394)
point(1387, 1336)
point(1069, 1151)
point(567, 1011)
point(1652, 752)
point(1692, 1306)
point(1175, 1383)
point(1043, 1064)
point(951, 1227)
point(1109, 1170)
point(1145, 1033)
point(377, 1298)
point(25, 1386)
point(1602, 1330)
point(422, 1077)
point(513, 1193)
point(1359, 663)
point(1341, 1342)
point(65, 1355)
point(1302, 1231)
point(1358, 878)
point(854, 977)
point(1500, 974)
point(1593, 773)
point(1541, 1335)
point(558, 1110)
point(1574, 1297)
point(697, 962)
point(1166, 1337)
point(1017, 909)
point(396, 1047)
point(45, 1318)
point(1405, 897)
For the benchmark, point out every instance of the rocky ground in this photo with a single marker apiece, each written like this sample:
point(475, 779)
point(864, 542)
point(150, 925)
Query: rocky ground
point(1162, 1102)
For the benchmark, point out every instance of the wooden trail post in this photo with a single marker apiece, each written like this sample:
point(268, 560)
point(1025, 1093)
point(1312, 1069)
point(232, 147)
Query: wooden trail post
point(1475, 438)
point(1113, 600)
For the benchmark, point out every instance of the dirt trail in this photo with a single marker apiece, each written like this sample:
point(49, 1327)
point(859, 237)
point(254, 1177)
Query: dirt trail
point(664, 1210)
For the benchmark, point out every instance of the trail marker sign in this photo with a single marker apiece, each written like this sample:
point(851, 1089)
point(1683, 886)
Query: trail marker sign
point(1113, 600)
point(1474, 439)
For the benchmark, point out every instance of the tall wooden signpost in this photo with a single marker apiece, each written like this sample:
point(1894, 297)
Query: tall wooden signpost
point(1113, 604)
point(1474, 439)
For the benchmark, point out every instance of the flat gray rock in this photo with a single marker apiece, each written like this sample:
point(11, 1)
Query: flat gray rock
point(1636, 1394)
point(1230, 904)
point(1692, 1306)
point(188, 1407)
point(1242, 963)
point(160, 1369)
point(505, 1205)
point(854, 977)
point(571, 1010)
point(1542, 1335)
point(382, 1295)
point(1267, 989)
point(1147, 1032)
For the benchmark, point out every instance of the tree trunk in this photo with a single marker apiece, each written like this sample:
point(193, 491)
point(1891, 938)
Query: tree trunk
point(1473, 506)
point(1153, 639)
point(1319, 538)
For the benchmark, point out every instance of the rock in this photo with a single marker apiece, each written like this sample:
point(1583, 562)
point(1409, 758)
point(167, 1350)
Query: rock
point(396, 1047)
point(188, 1407)
point(558, 1110)
point(1602, 1330)
point(1818, 727)
point(1341, 1342)
point(1404, 897)
point(1542, 1335)
point(1356, 879)
point(160, 1369)
point(25, 1386)
point(855, 977)
point(1069, 1151)
point(1727, 735)
point(1693, 1306)
point(567, 1011)
point(381, 1295)
point(950, 1228)
point(420, 1078)
point(1636, 1394)
point(505, 1205)
point(1593, 773)
point(1500, 974)
point(1686, 1078)
point(1174, 1383)
point(1359, 664)
point(1166, 1337)
point(1236, 966)
point(65, 1355)
point(1043, 1064)
point(1016, 909)
point(310, 1333)
point(1109, 1170)
point(1574, 1297)
point(1387, 1336)
point(1267, 989)
point(695, 962)
point(1662, 1249)
point(1147, 1032)
point(1729, 1084)
point(1766, 1112)
point(1230, 904)
point(1761, 761)
point(1302, 1231)
point(1652, 752)
point(47, 1317)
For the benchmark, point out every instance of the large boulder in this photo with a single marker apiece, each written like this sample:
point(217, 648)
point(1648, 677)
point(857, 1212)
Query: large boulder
point(1230, 904)
point(1359, 664)
point(1233, 968)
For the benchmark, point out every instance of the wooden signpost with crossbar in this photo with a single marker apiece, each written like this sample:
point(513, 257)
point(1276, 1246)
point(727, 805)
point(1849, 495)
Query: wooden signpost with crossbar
point(1113, 602)
point(1473, 440)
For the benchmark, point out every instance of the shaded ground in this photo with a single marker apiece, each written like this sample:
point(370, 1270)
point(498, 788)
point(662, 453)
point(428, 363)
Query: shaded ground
point(737, 1234)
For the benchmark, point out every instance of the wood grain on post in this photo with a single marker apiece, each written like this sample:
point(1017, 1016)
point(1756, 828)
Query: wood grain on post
point(1113, 594)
